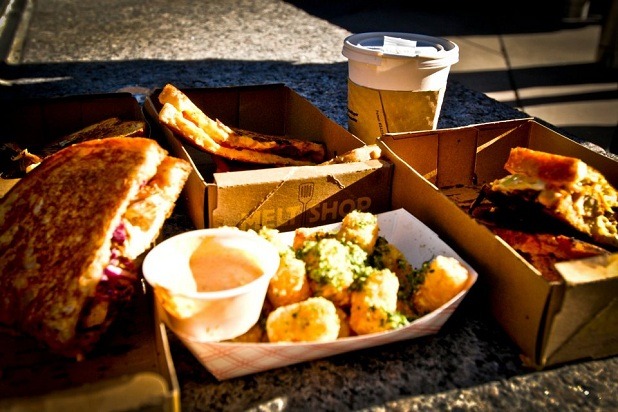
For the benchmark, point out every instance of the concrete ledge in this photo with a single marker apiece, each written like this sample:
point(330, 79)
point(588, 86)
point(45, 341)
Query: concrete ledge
point(14, 20)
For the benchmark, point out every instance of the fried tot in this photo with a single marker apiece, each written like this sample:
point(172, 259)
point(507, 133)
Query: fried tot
point(360, 228)
point(332, 267)
point(374, 306)
point(305, 234)
point(312, 320)
point(444, 277)
point(290, 283)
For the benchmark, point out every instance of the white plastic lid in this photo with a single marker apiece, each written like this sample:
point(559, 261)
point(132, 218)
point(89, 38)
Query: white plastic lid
point(372, 48)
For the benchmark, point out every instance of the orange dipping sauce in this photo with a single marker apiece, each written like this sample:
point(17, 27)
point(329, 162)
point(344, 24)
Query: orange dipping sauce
point(217, 267)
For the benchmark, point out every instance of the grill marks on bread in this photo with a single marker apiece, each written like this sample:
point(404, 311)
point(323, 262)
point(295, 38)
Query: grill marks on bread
point(56, 227)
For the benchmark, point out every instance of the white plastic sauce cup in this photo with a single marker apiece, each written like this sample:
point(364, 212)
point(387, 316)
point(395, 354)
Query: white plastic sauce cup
point(211, 315)
point(396, 81)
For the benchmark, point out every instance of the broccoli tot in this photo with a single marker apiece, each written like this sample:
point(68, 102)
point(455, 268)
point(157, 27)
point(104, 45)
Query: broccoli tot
point(374, 305)
point(312, 320)
point(360, 228)
point(332, 267)
point(387, 256)
point(443, 278)
point(304, 234)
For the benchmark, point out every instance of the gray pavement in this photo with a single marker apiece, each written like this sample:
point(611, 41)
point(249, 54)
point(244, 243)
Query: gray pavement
point(526, 54)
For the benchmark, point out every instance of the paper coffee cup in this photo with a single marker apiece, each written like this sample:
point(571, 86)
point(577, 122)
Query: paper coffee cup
point(396, 82)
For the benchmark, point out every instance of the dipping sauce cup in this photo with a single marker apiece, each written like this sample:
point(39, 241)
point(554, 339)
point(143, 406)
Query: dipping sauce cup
point(210, 284)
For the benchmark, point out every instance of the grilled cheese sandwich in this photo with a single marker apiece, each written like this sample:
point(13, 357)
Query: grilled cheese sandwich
point(564, 188)
point(70, 232)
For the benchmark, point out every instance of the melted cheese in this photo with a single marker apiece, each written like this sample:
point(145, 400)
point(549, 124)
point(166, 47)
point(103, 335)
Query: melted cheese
point(517, 182)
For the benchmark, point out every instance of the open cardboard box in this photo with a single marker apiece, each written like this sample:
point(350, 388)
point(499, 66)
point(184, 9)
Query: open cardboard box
point(132, 367)
point(280, 197)
point(551, 322)
point(36, 122)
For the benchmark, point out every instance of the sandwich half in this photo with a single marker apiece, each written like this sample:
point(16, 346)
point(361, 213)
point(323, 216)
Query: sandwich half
point(560, 188)
point(70, 232)
point(193, 126)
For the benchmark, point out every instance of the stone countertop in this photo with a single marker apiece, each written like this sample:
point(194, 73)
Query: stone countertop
point(83, 47)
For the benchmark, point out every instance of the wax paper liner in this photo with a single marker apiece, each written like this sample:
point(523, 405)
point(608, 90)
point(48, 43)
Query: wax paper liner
point(227, 360)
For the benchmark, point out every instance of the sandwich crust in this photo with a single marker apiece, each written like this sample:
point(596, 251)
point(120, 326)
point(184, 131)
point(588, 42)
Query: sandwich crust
point(56, 231)
point(196, 136)
point(548, 167)
point(191, 124)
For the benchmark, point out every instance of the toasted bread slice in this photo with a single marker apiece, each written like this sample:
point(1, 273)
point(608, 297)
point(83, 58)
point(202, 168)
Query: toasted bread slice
point(17, 161)
point(548, 167)
point(543, 250)
point(154, 203)
point(197, 137)
point(360, 154)
point(279, 145)
point(236, 138)
point(69, 231)
point(110, 127)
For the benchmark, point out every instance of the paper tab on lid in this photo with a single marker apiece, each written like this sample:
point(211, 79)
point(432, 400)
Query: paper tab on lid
point(405, 47)
point(394, 45)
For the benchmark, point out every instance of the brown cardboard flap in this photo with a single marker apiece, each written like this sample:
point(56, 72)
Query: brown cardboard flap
point(306, 196)
point(455, 150)
point(551, 322)
point(597, 338)
point(582, 303)
point(39, 121)
point(590, 291)
point(425, 143)
point(283, 197)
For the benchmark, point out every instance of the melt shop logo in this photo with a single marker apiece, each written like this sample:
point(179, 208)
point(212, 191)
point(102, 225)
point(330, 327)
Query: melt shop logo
point(301, 214)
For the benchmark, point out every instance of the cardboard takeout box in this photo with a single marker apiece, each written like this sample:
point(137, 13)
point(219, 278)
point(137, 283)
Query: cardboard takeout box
point(281, 197)
point(36, 122)
point(551, 322)
point(132, 367)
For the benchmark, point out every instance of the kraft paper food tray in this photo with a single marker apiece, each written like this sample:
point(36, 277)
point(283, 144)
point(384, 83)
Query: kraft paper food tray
point(39, 121)
point(551, 322)
point(281, 197)
point(227, 360)
point(130, 368)
point(34, 122)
